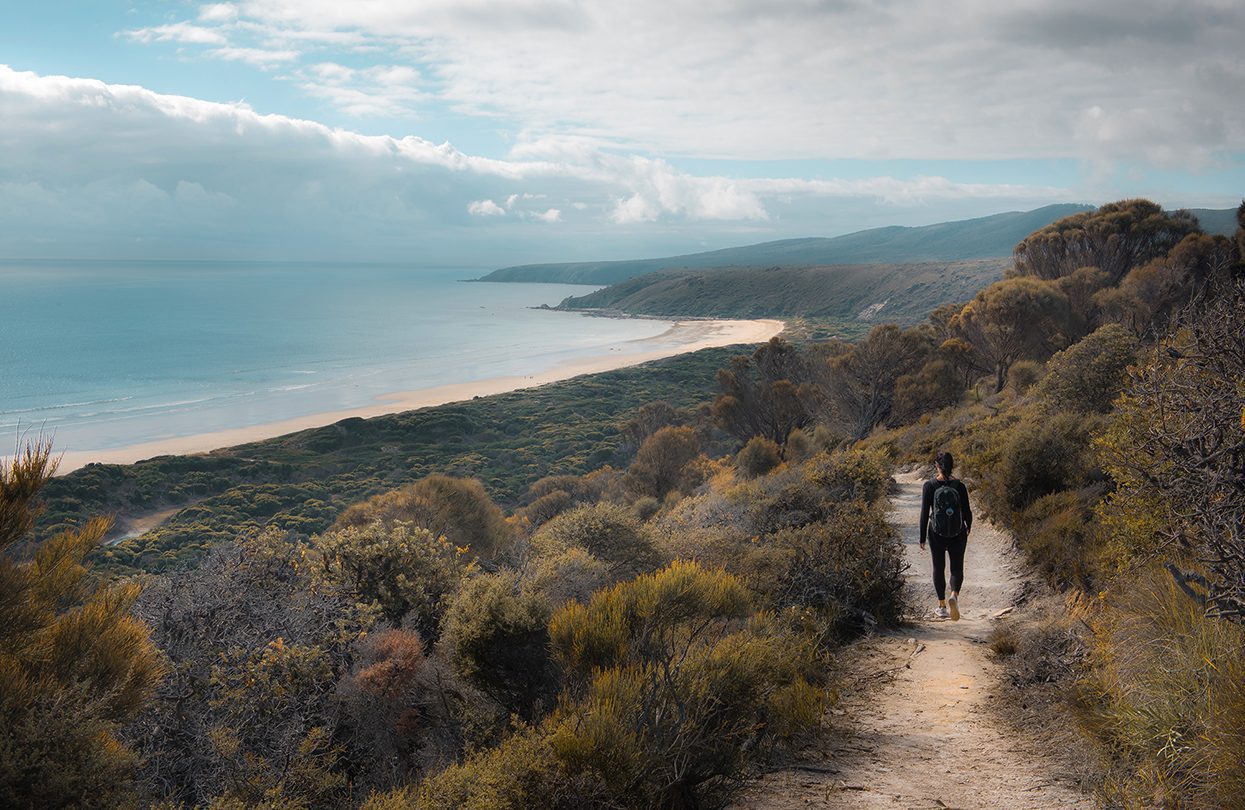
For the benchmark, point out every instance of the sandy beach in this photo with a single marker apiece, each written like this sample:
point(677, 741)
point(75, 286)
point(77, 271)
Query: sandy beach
point(682, 336)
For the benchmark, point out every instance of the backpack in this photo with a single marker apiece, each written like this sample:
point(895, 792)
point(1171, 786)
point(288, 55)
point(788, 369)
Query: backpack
point(948, 516)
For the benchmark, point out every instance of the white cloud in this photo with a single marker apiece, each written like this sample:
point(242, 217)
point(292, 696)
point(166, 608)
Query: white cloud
point(485, 208)
point(179, 32)
point(378, 90)
point(92, 168)
point(924, 79)
point(218, 12)
point(255, 56)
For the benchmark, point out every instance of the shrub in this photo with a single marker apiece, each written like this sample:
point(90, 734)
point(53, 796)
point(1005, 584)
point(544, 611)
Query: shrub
point(801, 445)
point(1166, 696)
point(74, 664)
point(457, 508)
point(758, 457)
point(256, 649)
point(662, 463)
point(497, 636)
point(675, 686)
point(1058, 533)
point(608, 532)
point(523, 771)
point(938, 384)
point(1036, 457)
point(1023, 375)
point(1089, 375)
point(405, 571)
point(851, 475)
point(847, 568)
point(571, 575)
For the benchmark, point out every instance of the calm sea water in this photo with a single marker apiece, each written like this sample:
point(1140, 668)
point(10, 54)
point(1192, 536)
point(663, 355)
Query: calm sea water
point(106, 355)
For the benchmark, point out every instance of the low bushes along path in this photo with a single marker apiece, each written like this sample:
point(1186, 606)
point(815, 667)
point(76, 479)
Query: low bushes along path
point(915, 727)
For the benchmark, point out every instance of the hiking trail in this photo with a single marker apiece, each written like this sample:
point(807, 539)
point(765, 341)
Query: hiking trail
point(915, 727)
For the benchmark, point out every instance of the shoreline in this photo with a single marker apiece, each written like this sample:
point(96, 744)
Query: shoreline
point(684, 335)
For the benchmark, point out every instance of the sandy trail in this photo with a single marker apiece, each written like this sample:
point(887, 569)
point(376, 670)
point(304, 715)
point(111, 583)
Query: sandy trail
point(917, 729)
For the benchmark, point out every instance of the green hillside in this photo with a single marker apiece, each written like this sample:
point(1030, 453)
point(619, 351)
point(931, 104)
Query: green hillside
point(981, 238)
point(904, 293)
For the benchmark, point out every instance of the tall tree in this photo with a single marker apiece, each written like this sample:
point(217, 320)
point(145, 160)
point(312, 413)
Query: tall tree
point(1114, 238)
point(860, 382)
point(1014, 319)
point(765, 394)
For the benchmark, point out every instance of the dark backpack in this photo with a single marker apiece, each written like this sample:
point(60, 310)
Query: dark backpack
point(948, 514)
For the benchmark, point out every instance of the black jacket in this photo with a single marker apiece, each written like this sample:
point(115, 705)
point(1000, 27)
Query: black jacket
point(927, 505)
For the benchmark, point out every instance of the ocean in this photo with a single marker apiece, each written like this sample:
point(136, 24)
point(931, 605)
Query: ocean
point(104, 355)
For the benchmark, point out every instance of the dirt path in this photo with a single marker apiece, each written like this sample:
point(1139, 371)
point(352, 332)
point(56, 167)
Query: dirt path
point(916, 730)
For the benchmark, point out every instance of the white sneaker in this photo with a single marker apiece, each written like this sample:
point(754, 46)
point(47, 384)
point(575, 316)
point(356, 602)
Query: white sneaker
point(941, 613)
point(953, 604)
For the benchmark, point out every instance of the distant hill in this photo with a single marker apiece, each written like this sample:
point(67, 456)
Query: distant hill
point(982, 238)
point(905, 293)
point(1216, 220)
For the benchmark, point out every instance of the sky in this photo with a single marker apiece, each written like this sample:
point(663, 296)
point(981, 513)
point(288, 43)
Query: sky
point(481, 133)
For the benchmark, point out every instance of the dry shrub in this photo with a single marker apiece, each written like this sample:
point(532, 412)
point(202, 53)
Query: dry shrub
point(608, 532)
point(457, 508)
point(1004, 642)
point(389, 662)
point(758, 457)
point(406, 571)
point(571, 575)
point(1059, 535)
point(1166, 696)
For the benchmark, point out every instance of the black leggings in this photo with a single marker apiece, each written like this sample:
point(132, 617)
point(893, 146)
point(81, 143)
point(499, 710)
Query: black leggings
point(940, 548)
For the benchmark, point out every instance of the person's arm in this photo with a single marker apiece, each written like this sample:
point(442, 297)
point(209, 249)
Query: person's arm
point(926, 494)
point(968, 510)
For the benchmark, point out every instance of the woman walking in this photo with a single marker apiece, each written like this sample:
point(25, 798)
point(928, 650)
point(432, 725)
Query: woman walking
point(946, 520)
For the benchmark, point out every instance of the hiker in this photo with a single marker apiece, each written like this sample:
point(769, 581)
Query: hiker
point(946, 519)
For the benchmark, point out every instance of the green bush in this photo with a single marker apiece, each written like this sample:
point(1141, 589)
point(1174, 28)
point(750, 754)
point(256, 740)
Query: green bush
point(608, 532)
point(1023, 375)
point(663, 463)
point(676, 686)
point(523, 771)
point(1037, 456)
point(406, 571)
point(1058, 533)
point(497, 636)
point(457, 508)
point(1088, 375)
point(758, 457)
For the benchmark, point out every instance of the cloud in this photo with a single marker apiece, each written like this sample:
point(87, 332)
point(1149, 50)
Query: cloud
point(180, 32)
point(377, 90)
point(92, 168)
point(259, 57)
point(485, 208)
point(923, 79)
point(218, 12)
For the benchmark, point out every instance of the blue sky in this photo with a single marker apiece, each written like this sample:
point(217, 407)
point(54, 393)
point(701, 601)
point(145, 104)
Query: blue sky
point(470, 132)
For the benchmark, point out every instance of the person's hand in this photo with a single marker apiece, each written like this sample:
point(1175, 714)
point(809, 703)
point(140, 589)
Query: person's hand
point(922, 545)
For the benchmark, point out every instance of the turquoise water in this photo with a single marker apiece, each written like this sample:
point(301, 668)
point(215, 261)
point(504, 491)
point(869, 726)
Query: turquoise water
point(105, 355)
